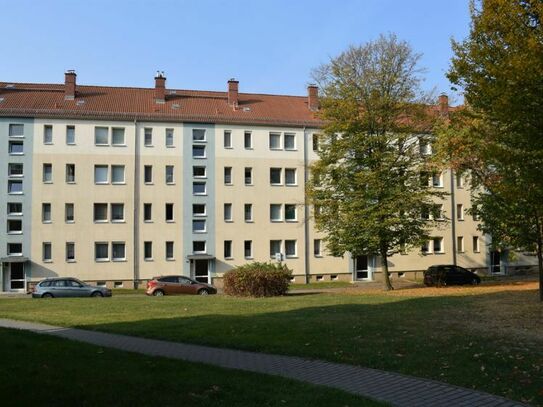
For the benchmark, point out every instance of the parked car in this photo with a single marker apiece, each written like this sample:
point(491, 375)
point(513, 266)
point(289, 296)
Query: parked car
point(170, 285)
point(67, 287)
point(449, 274)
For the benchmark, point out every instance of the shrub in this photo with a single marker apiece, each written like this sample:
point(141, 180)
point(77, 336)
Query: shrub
point(257, 280)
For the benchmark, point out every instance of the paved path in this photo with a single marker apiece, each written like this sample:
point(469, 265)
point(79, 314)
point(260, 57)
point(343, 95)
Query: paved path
point(393, 388)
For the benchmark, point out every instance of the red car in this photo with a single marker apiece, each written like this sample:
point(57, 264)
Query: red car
point(171, 285)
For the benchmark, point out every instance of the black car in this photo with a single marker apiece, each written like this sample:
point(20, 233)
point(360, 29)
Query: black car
point(449, 274)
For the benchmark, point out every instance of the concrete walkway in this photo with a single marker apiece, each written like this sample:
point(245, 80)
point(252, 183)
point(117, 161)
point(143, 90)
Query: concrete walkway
point(393, 388)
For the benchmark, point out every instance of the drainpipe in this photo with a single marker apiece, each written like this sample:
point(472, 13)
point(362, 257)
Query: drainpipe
point(453, 218)
point(136, 205)
point(306, 210)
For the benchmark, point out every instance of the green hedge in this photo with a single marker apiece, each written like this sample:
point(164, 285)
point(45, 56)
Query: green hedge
point(257, 280)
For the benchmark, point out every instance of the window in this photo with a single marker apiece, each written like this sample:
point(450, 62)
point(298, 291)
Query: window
point(290, 248)
point(199, 151)
point(199, 172)
point(248, 176)
point(438, 245)
point(198, 135)
point(101, 136)
point(248, 211)
point(47, 134)
point(227, 139)
point(70, 173)
point(316, 142)
point(275, 141)
point(290, 141)
point(148, 137)
point(15, 249)
point(424, 179)
point(47, 173)
point(16, 147)
point(248, 249)
point(118, 251)
point(15, 226)
point(147, 212)
point(460, 244)
point(101, 251)
point(117, 174)
point(290, 212)
point(228, 175)
point(16, 130)
point(101, 174)
point(15, 187)
point(70, 251)
point(438, 211)
point(198, 225)
point(425, 148)
point(15, 170)
point(459, 212)
point(425, 213)
point(117, 136)
point(290, 176)
point(275, 247)
point(199, 246)
point(198, 209)
point(117, 212)
point(169, 212)
point(317, 243)
point(248, 140)
point(100, 212)
point(15, 208)
point(459, 180)
point(275, 176)
point(148, 251)
point(199, 188)
point(70, 135)
point(425, 248)
point(476, 248)
point(46, 251)
point(227, 249)
point(228, 212)
point(169, 174)
point(169, 250)
point(437, 180)
point(275, 213)
point(46, 212)
point(69, 215)
point(169, 137)
point(148, 174)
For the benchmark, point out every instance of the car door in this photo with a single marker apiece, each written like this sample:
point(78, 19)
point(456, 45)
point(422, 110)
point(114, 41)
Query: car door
point(455, 275)
point(77, 289)
point(169, 284)
point(186, 285)
point(464, 276)
point(59, 289)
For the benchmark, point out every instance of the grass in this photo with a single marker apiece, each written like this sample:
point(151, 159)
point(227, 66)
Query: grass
point(323, 285)
point(44, 370)
point(488, 337)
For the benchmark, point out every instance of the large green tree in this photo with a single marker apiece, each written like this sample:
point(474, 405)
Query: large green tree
point(366, 186)
point(499, 136)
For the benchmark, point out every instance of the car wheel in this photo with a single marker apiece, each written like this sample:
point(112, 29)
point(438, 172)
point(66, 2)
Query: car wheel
point(158, 293)
point(97, 294)
point(203, 291)
point(47, 295)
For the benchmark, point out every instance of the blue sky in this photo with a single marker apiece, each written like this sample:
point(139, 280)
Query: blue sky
point(269, 46)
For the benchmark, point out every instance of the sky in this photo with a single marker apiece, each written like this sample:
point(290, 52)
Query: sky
point(270, 46)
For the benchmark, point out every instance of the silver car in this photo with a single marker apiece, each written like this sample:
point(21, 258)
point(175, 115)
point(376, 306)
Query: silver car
point(68, 287)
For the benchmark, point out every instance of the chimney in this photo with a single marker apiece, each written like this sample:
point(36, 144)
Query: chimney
point(443, 104)
point(313, 97)
point(233, 93)
point(69, 85)
point(160, 87)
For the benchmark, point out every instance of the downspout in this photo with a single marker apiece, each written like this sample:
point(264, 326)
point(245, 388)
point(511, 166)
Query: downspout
point(306, 210)
point(453, 218)
point(136, 205)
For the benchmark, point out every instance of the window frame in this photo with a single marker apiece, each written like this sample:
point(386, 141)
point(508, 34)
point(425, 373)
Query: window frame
point(101, 244)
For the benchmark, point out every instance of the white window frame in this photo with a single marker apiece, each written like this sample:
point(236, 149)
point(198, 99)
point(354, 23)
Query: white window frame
point(46, 128)
point(101, 259)
point(199, 251)
point(101, 166)
point(172, 219)
point(105, 219)
point(96, 143)
point(276, 136)
point(230, 210)
point(276, 169)
point(113, 142)
point(279, 244)
point(291, 256)
point(111, 212)
point(43, 257)
point(69, 128)
point(166, 246)
point(197, 221)
point(289, 135)
point(166, 174)
point(250, 145)
point(199, 183)
point(68, 180)
point(199, 167)
point(231, 251)
point(229, 138)
point(290, 184)
point(198, 147)
point(295, 213)
point(148, 131)
point(199, 214)
point(113, 257)
point(250, 255)
point(169, 137)
point(204, 140)
point(117, 167)
point(276, 206)
point(69, 260)
point(146, 244)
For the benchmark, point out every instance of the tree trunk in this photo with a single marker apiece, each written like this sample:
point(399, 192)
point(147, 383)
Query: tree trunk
point(384, 257)
point(540, 256)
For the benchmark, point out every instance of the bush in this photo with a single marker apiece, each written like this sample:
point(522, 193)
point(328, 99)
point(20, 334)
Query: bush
point(257, 280)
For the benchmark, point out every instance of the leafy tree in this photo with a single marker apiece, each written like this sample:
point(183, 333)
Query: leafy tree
point(499, 136)
point(366, 187)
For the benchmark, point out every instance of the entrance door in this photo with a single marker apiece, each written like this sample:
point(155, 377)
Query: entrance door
point(361, 268)
point(16, 276)
point(495, 262)
point(201, 271)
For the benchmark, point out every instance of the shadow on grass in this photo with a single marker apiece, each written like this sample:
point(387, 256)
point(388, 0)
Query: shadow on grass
point(424, 337)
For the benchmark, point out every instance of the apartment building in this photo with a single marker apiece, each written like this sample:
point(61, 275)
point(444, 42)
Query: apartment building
point(116, 185)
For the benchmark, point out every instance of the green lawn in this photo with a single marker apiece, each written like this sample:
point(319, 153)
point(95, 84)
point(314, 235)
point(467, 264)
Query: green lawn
point(481, 337)
point(43, 370)
point(322, 285)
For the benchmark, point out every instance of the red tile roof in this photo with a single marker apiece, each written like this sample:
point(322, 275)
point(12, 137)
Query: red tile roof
point(120, 103)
